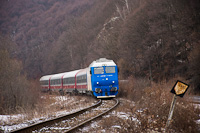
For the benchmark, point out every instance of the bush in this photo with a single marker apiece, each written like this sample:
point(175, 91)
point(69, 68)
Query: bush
point(16, 92)
point(154, 102)
point(132, 88)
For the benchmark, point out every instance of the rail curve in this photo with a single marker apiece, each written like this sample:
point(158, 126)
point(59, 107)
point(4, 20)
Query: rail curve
point(71, 122)
point(93, 118)
point(55, 120)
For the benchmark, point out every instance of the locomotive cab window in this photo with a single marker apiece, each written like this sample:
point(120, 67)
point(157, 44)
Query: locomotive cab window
point(110, 69)
point(98, 70)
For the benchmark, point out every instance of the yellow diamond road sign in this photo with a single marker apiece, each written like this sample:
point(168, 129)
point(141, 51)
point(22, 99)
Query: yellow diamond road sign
point(179, 88)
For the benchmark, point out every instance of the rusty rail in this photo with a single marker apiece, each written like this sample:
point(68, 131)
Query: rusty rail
point(93, 118)
point(55, 120)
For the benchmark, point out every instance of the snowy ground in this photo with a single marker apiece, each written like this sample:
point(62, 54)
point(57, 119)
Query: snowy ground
point(115, 120)
point(56, 106)
point(122, 119)
point(12, 122)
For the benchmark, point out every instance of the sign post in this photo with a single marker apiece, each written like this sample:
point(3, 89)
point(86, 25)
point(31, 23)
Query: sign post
point(179, 89)
point(171, 111)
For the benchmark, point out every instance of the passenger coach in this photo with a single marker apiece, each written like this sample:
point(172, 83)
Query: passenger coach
point(99, 79)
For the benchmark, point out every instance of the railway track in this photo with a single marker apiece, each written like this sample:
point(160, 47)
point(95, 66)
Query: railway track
point(74, 120)
point(194, 99)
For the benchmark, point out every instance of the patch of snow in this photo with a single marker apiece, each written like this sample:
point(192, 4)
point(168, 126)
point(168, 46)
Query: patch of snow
point(106, 116)
point(116, 126)
point(94, 125)
point(123, 115)
point(9, 122)
point(103, 131)
point(64, 112)
point(140, 110)
point(197, 106)
point(198, 121)
point(8, 118)
point(131, 103)
point(13, 127)
point(134, 119)
point(53, 128)
point(181, 61)
point(87, 128)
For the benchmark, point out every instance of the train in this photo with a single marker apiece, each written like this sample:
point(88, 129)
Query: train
point(100, 79)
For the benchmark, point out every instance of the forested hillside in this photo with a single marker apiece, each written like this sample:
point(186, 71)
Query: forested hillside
point(153, 39)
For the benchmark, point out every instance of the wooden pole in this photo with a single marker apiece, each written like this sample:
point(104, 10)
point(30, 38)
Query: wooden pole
point(171, 112)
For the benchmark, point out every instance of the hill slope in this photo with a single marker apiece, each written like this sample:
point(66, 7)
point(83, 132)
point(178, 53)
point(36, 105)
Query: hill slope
point(152, 39)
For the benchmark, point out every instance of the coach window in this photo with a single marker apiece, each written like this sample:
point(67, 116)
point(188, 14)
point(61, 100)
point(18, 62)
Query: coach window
point(46, 82)
point(78, 79)
point(73, 80)
point(65, 81)
point(110, 69)
point(84, 79)
point(98, 70)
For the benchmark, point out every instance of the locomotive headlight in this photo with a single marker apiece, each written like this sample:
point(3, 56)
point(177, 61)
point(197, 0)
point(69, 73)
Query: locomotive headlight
point(97, 90)
point(113, 82)
point(114, 89)
point(97, 83)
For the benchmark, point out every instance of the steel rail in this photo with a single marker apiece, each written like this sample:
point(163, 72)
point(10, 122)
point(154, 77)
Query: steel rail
point(55, 120)
point(93, 118)
point(194, 102)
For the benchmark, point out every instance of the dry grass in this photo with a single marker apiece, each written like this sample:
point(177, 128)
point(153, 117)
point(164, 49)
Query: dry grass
point(154, 101)
point(50, 106)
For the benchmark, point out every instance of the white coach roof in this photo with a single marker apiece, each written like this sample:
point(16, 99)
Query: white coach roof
point(102, 62)
point(45, 77)
point(60, 75)
point(71, 74)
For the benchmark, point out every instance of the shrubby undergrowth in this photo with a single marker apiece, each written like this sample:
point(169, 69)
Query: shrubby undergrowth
point(154, 100)
point(17, 93)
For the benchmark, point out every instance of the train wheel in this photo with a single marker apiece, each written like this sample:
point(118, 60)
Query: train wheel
point(61, 92)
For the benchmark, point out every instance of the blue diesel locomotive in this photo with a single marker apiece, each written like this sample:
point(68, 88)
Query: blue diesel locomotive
point(99, 79)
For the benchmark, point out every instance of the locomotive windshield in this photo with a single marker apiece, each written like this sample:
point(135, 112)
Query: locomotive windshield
point(110, 69)
point(98, 70)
